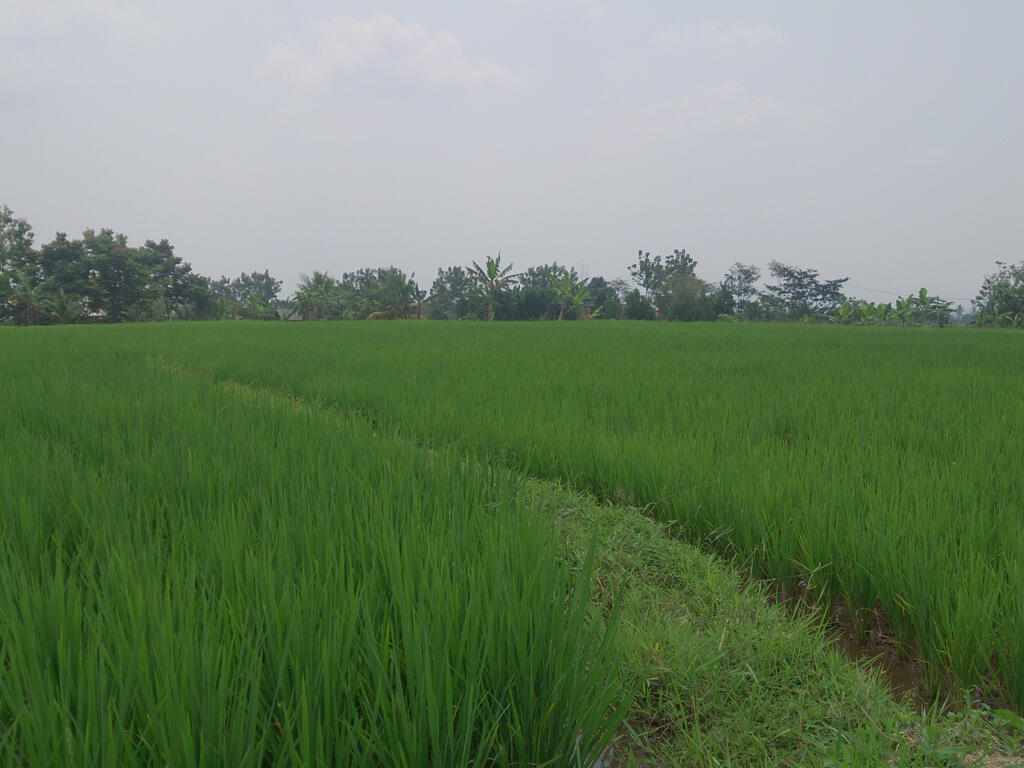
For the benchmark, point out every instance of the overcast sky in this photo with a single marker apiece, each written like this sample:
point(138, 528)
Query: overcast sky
point(876, 140)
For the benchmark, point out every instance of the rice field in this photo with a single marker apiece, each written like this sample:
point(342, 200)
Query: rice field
point(335, 512)
point(878, 466)
point(205, 575)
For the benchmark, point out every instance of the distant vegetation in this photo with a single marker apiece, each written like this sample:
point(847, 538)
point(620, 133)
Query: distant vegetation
point(99, 277)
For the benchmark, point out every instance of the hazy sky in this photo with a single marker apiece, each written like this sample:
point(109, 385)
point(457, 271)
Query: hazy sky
point(876, 140)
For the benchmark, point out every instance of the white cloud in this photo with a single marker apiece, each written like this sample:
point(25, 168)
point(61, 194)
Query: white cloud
point(345, 45)
point(50, 15)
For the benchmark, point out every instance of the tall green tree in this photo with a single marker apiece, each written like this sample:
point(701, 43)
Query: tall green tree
point(1001, 298)
point(16, 237)
point(119, 285)
point(16, 253)
point(605, 299)
point(249, 296)
point(381, 292)
point(799, 293)
point(98, 275)
point(535, 295)
point(493, 279)
point(636, 306)
point(64, 262)
point(671, 284)
point(654, 274)
point(170, 285)
point(455, 295)
point(260, 285)
point(741, 281)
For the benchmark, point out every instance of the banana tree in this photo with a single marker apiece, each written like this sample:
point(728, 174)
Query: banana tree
point(941, 310)
point(922, 305)
point(904, 308)
point(843, 313)
point(571, 292)
point(493, 279)
point(578, 300)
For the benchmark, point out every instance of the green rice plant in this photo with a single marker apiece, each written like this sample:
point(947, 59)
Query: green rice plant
point(204, 574)
point(881, 462)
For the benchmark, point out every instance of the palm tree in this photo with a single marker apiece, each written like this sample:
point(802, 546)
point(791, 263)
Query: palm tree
point(492, 279)
point(67, 308)
point(318, 297)
point(33, 302)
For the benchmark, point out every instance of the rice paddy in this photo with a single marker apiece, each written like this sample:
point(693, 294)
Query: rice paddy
point(335, 513)
point(879, 466)
point(201, 576)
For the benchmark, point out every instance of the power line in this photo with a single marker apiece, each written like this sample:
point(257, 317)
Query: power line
point(894, 293)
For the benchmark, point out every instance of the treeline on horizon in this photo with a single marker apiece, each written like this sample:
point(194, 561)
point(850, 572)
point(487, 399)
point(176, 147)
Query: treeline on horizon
point(99, 277)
